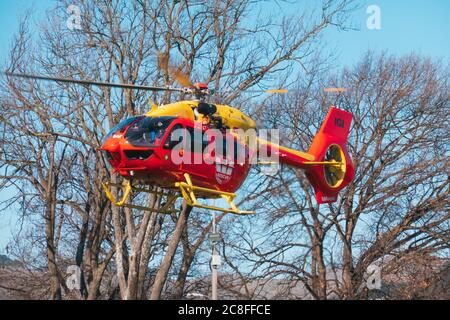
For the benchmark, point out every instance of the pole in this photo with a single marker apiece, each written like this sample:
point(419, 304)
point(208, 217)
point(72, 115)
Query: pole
point(214, 279)
point(213, 262)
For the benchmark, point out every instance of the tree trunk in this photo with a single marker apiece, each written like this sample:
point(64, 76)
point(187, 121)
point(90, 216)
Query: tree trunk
point(182, 274)
point(119, 254)
point(161, 275)
point(55, 285)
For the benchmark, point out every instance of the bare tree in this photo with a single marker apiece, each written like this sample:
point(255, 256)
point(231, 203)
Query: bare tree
point(398, 202)
point(51, 131)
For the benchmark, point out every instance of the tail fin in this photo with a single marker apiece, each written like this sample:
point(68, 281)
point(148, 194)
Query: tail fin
point(334, 169)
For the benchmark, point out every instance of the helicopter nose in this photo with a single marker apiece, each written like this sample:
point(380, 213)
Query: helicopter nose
point(111, 146)
point(112, 149)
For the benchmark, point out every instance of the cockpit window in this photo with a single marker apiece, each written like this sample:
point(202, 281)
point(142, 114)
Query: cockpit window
point(121, 126)
point(148, 132)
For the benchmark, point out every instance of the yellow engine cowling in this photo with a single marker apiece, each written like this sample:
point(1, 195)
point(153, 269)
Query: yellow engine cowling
point(231, 117)
point(234, 118)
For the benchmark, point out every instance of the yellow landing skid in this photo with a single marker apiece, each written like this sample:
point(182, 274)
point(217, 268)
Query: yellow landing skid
point(187, 190)
point(127, 188)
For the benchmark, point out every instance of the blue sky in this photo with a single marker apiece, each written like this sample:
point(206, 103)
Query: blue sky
point(406, 26)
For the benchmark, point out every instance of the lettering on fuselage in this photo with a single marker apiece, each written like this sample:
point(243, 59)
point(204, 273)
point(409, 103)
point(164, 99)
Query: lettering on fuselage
point(328, 198)
point(339, 122)
point(224, 170)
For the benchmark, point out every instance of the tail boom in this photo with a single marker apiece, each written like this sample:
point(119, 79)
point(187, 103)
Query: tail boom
point(327, 164)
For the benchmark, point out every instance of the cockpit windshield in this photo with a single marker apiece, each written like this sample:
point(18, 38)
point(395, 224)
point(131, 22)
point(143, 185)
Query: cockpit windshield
point(121, 126)
point(148, 131)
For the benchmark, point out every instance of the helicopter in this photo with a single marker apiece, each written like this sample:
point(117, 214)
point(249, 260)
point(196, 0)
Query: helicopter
point(143, 149)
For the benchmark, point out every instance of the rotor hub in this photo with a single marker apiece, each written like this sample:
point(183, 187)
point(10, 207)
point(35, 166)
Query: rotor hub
point(201, 86)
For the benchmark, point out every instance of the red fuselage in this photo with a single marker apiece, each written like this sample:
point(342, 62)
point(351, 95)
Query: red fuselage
point(140, 149)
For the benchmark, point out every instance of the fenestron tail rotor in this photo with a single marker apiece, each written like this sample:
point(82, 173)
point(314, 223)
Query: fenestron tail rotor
point(334, 167)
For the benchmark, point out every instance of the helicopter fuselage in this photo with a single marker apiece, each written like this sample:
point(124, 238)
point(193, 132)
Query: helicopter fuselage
point(141, 148)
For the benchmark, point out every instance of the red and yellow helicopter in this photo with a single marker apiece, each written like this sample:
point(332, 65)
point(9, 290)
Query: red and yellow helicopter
point(141, 149)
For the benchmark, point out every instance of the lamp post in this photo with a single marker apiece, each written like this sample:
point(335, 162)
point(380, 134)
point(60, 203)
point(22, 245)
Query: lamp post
point(214, 237)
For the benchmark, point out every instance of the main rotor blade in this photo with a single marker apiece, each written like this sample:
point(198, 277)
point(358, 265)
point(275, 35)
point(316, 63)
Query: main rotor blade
point(257, 91)
point(94, 83)
point(268, 91)
point(175, 72)
point(338, 90)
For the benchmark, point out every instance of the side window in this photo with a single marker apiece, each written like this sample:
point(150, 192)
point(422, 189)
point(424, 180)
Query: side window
point(240, 151)
point(234, 149)
point(224, 147)
point(237, 149)
point(191, 139)
point(176, 136)
point(205, 141)
point(221, 147)
point(198, 138)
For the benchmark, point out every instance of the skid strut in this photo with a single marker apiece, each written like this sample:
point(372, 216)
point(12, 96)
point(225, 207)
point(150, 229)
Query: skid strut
point(128, 188)
point(187, 190)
